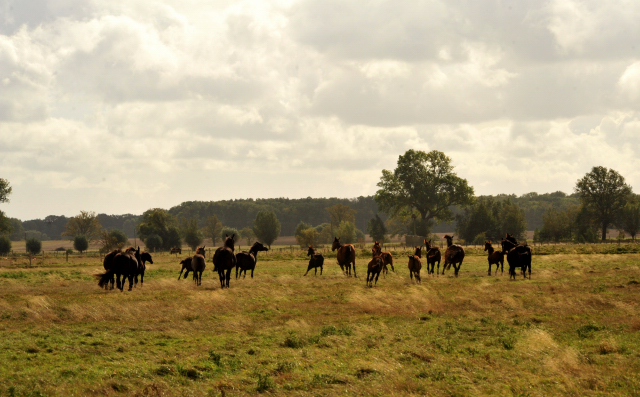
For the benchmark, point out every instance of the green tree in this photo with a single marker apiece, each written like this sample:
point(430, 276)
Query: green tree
point(307, 237)
point(266, 226)
point(629, 218)
point(604, 193)
point(86, 224)
point(585, 226)
point(157, 221)
point(324, 234)
point(5, 245)
point(112, 239)
point(341, 213)
point(212, 228)
point(478, 219)
point(346, 232)
point(34, 246)
point(192, 235)
point(376, 229)
point(230, 231)
point(17, 231)
point(80, 243)
point(248, 234)
point(5, 190)
point(511, 220)
point(300, 227)
point(426, 183)
point(556, 225)
point(153, 242)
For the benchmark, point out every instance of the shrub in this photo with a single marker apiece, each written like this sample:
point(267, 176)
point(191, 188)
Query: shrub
point(34, 246)
point(80, 243)
point(5, 245)
point(153, 242)
point(230, 231)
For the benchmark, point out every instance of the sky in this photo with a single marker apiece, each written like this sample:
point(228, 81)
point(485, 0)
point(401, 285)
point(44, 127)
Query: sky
point(121, 106)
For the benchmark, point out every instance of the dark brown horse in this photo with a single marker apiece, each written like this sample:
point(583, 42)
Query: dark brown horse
point(144, 257)
point(494, 257)
point(198, 265)
point(186, 265)
point(454, 255)
point(433, 256)
point(126, 265)
point(376, 264)
point(316, 261)
point(176, 250)
point(415, 264)
point(346, 256)
point(518, 255)
point(224, 260)
point(247, 260)
point(386, 257)
point(108, 265)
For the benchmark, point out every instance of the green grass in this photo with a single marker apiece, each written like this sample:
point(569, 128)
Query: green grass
point(572, 330)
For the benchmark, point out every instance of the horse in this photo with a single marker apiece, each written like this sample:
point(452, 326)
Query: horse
point(346, 255)
point(415, 264)
point(108, 265)
point(376, 264)
point(386, 257)
point(452, 256)
point(247, 260)
point(125, 264)
point(316, 261)
point(224, 260)
point(433, 256)
point(198, 264)
point(176, 250)
point(494, 257)
point(144, 257)
point(186, 264)
point(518, 255)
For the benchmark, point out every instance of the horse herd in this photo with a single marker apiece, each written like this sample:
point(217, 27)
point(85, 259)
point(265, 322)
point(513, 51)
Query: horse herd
point(130, 264)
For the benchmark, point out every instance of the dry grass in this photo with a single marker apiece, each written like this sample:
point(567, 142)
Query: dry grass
point(572, 330)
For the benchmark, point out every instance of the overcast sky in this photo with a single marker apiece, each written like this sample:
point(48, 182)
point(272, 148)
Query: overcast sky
point(121, 106)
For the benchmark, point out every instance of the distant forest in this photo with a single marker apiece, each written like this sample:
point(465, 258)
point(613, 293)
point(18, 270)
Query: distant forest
point(241, 213)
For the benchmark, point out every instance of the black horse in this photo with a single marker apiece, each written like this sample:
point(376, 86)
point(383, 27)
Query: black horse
point(316, 261)
point(124, 264)
point(144, 257)
point(518, 255)
point(224, 260)
point(247, 260)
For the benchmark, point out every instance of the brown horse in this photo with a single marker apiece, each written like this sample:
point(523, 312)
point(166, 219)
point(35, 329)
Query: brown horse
point(454, 255)
point(176, 250)
point(144, 257)
point(198, 265)
point(433, 256)
point(415, 264)
point(518, 255)
point(494, 257)
point(386, 257)
point(376, 264)
point(346, 256)
point(108, 265)
point(186, 264)
point(315, 261)
point(247, 260)
point(224, 260)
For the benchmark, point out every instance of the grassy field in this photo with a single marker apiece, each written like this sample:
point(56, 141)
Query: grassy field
point(571, 330)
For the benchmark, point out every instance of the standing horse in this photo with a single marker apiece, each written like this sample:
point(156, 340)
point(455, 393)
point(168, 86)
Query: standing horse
point(224, 260)
point(376, 264)
point(125, 264)
point(452, 256)
point(346, 256)
point(386, 257)
point(518, 255)
point(415, 264)
point(494, 257)
point(247, 261)
point(316, 261)
point(108, 265)
point(144, 257)
point(198, 265)
point(186, 264)
point(433, 256)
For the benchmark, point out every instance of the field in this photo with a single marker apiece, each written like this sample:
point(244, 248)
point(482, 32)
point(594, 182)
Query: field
point(572, 330)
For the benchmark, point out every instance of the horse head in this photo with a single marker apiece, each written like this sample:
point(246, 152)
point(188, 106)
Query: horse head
point(336, 244)
point(311, 251)
point(487, 245)
point(229, 241)
point(449, 240)
point(418, 252)
point(257, 246)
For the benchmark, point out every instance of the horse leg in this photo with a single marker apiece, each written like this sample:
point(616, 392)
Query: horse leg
point(354, 268)
point(237, 268)
point(221, 277)
point(228, 277)
point(180, 275)
point(130, 277)
point(377, 275)
point(245, 273)
point(418, 277)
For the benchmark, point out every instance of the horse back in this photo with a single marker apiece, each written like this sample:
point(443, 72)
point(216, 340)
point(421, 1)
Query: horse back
point(198, 263)
point(245, 260)
point(347, 253)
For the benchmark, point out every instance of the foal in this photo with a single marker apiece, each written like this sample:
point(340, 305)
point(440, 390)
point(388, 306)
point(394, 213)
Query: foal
point(376, 264)
point(386, 257)
point(494, 257)
point(316, 261)
point(198, 264)
point(415, 264)
point(433, 256)
point(346, 255)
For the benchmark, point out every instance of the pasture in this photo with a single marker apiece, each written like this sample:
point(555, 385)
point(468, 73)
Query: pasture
point(572, 330)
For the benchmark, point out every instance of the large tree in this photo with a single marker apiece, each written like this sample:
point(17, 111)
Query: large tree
point(604, 193)
point(341, 213)
point(376, 229)
point(212, 228)
point(5, 191)
point(629, 218)
point(266, 226)
point(192, 235)
point(157, 222)
point(425, 183)
point(85, 224)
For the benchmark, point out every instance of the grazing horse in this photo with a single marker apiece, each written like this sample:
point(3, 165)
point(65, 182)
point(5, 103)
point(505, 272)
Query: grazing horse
point(433, 256)
point(144, 257)
point(518, 255)
point(176, 250)
point(386, 257)
point(198, 265)
point(126, 264)
point(415, 264)
point(494, 257)
point(376, 264)
point(316, 261)
point(346, 256)
point(247, 260)
point(186, 264)
point(224, 260)
point(108, 265)
point(452, 256)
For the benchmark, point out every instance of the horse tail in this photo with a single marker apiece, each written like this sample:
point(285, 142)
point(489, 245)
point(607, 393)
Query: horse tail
point(104, 278)
point(390, 259)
